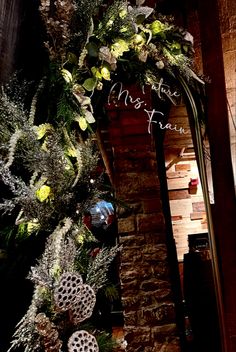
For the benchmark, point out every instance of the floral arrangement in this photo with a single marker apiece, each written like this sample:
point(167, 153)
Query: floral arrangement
point(48, 157)
point(126, 41)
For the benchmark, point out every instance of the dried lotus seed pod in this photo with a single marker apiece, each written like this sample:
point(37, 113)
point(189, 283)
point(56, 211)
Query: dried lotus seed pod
point(83, 308)
point(68, 290)
point(82, 341)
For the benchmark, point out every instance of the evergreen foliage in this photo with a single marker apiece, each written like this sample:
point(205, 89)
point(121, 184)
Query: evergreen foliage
point(48, 153)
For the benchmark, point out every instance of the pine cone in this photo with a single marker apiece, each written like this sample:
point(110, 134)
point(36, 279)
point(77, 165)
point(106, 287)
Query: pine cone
point(50, 336)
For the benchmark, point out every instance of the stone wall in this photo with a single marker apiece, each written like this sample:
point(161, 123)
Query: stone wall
point(149, 310)
point(228, 29)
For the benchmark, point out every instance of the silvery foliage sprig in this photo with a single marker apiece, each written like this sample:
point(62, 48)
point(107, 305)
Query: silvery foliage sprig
point(18, 188)
point(59, 256)
point(67, 181)
point(25, 334)
point(98, 268)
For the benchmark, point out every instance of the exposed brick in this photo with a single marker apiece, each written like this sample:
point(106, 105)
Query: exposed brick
point(150, 222)
point(152, 205)
point(129, 209)
point(130, 318)
point(127, 153)
point(144, 273)
point(154, 285)
point(127, 292)
point(130, 303)
point(155, 238)
point(167, 330)
point(152, 258)
point(129, 275)
point(126, 225)
point(131, 255)
point(130, 285)
point(119, 150)
point(135, 160)
point(132, 130)
point(154, 297)
point(136, 184)
point(173, 346)
point(153, 249)
point(142, 141)
point(141, 334)
point(159, 270)
point(165, 313)
point(133, 240)
point(144, 164)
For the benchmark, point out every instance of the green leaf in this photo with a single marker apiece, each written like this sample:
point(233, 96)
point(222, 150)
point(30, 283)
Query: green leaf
point(157, 27)
point(176, 48)
point(89, 84)
point(96, 73)
point(42, 193)
point(32, 226)
point(140, 18)
point(105, 73)
point(89, 116)
point(41, 130)
point(72, 58)
point(92, 49)
point(119, 47)
point(82, 123)
point(185, 48)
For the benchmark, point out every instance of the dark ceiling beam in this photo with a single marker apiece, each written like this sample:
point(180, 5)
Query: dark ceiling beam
point(224, 208)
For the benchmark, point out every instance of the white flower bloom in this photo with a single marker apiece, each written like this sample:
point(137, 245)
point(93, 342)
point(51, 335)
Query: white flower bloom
point(188, 37)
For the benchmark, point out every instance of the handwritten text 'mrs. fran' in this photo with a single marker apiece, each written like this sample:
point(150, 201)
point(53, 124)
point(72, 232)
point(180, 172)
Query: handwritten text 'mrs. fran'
point(162, 90)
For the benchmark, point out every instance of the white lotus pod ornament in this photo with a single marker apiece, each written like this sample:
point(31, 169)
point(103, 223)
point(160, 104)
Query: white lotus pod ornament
point(83, 308)
point(82, 341)
point(68, 290)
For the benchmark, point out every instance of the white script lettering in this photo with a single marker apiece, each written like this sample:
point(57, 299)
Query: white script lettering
point(138, 103)
point(167, 126)
point(150, 114)
point(163, 89)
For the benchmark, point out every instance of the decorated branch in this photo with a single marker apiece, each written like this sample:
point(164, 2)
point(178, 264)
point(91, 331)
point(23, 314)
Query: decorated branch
point(48, 156)
point(120, 40)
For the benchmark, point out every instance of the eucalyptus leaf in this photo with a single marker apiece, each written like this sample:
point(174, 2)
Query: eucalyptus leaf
point(92, 49)
point(82, 123)
point(105, 73)
point(89, 116)
point(140, 11)
point(140, 2)
point(89, 84)
point(96, 73)
point(72, 58)
point(140, 19)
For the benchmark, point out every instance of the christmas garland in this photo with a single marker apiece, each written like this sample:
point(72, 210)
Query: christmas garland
point(91, 45)
point(126, 41)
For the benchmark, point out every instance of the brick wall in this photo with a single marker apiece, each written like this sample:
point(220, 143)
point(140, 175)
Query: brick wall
point(228, 29)
point(149, 311)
